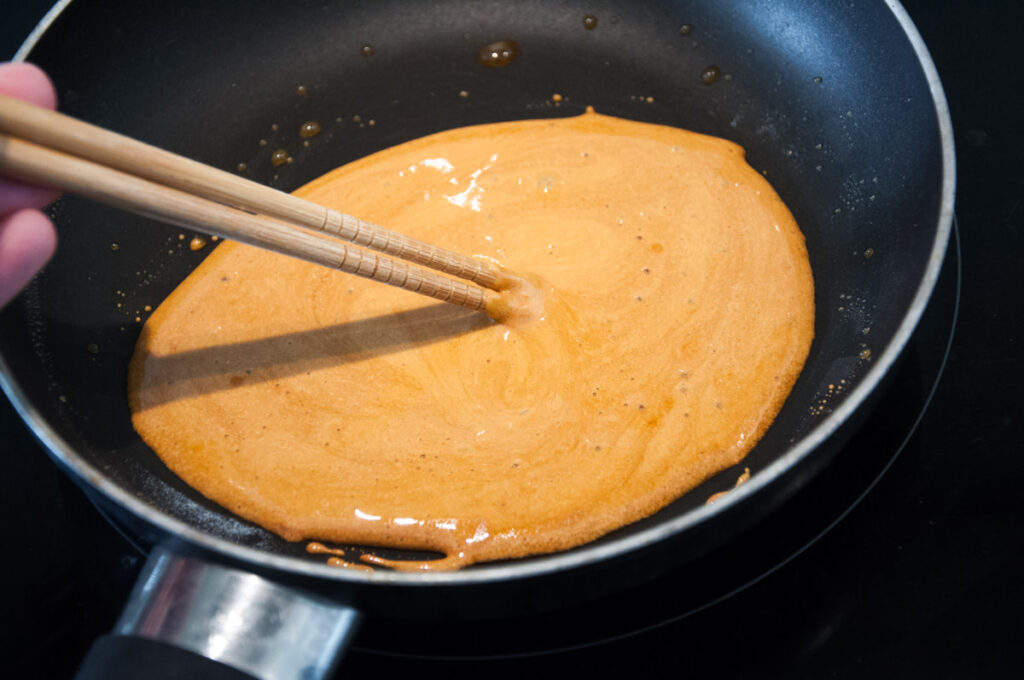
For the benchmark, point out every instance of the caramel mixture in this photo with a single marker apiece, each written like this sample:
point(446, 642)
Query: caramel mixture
point(676, 312)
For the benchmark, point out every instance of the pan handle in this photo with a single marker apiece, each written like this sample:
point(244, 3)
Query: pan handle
point(196, 619)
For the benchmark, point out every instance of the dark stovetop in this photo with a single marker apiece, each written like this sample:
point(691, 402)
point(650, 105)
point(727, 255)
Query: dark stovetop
point(921, 578)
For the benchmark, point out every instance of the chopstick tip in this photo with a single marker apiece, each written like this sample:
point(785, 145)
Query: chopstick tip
point(516, 302)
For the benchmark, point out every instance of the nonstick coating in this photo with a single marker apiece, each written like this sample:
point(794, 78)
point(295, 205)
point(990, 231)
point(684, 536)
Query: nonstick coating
point(831, 101)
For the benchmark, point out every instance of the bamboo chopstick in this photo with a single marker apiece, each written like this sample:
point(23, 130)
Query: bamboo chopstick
point(33, 163)
point(64, 133)
point(46, 147)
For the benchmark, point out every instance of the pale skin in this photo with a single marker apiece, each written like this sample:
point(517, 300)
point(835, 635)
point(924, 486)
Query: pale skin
point(27, 237)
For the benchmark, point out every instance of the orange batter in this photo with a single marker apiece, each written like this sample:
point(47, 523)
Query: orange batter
point(677, 312)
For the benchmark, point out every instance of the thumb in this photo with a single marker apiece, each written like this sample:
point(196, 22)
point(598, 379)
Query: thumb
point(27, 241)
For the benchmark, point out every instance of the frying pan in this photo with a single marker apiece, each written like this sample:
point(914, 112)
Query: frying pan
point(838, 105)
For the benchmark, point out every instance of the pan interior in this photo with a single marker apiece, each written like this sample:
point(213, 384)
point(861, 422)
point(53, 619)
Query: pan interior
point(830, 103)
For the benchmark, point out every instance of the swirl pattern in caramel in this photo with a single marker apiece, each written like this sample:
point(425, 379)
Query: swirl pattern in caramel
point(675, 311)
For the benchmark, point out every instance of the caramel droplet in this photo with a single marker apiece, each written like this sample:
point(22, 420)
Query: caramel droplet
point(498, 54)
point(309, 129)
point(317, 548)
point(685, 29)
point(366, 50)
point(301, 90)
point(589, 22)
point(197, 243)
point(710, 75)
point(279, 157)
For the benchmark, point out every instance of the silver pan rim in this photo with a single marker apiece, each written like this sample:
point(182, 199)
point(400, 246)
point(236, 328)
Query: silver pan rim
point(536, 566)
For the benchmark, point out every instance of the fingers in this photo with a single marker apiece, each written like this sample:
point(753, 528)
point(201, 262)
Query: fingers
point(15, 195)
point(28, 82)
point(27, 237)
point(27, 241)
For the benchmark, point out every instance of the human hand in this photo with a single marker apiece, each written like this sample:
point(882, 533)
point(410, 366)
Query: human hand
point(27, 237)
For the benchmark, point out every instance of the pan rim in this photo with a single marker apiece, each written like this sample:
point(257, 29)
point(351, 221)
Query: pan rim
point(535, 566)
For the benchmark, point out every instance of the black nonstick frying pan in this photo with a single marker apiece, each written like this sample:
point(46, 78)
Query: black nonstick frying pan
point(838, 105)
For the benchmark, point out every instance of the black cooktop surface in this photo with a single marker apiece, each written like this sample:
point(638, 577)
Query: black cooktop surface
point(902, 559)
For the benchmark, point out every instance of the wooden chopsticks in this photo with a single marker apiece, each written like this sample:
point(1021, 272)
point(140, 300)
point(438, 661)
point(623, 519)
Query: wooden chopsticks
point(45, 147)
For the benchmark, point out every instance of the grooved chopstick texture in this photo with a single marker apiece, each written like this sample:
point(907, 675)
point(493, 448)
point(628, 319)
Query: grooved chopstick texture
point(76, 137)
point(49, 148)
